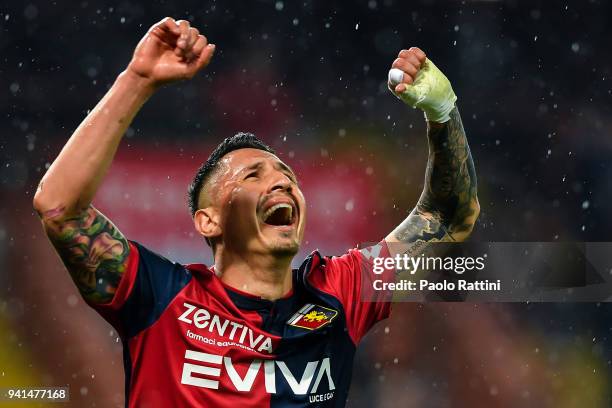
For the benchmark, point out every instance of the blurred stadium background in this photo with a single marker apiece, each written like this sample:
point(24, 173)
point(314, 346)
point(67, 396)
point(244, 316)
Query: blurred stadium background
point(534, 85)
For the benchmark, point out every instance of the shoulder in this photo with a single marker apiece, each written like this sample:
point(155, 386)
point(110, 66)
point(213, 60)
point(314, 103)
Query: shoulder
point(316, 263)
point(326, 273)
point(329, 272)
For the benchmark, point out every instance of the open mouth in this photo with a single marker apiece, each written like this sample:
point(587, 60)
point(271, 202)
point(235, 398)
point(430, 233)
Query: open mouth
point(280, 214)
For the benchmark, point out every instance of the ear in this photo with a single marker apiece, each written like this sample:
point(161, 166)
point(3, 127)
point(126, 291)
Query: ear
point(207, 222)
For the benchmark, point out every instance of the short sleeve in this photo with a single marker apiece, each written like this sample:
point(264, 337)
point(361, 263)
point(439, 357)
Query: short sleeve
point(350, 279)
point(147, 287)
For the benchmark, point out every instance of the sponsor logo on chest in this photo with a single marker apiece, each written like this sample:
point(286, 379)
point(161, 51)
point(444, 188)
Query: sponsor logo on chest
point(232, 333)
point(206, 370)
point(210, 368)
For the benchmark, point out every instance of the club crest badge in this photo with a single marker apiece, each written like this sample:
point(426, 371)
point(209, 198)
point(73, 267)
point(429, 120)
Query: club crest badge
point(312, 317)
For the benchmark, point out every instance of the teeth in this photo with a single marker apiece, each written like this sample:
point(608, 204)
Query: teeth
point(275, 207)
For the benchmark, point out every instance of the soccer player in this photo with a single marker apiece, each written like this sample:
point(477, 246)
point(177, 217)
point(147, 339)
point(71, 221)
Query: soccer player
point(248, 331)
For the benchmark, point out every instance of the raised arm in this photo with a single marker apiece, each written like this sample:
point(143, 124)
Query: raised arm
point(92, 248)
point(448, 207)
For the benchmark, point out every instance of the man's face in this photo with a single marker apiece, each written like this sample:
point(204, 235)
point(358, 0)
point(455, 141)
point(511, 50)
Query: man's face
point(262, 209)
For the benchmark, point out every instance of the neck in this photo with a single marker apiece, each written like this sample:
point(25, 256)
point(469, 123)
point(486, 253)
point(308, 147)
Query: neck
point(265, 276)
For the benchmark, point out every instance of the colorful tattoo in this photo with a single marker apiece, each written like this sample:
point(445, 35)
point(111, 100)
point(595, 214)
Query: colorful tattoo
point(94, 251)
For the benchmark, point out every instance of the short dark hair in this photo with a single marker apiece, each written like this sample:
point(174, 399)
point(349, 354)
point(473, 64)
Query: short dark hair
point(241, 140)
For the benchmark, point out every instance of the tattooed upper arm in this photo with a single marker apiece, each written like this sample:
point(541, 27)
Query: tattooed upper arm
point(93, 249)
point(448, 207)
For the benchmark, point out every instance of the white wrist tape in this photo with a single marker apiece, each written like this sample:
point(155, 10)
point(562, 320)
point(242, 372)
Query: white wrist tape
point(430, 92)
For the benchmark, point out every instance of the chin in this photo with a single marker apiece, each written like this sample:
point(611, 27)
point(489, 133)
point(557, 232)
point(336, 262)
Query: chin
point(286, 248)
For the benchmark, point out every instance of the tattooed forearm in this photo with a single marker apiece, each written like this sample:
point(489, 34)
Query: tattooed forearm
point(93, 249)
point(450, 178)
point(448, 206)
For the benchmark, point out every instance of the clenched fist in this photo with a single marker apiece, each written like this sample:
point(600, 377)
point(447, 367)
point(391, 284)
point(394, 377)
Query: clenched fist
point(419, 83)
point(171, 50)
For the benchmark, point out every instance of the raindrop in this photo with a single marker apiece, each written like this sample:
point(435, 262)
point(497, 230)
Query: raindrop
point(350, 205)
point(31, 139)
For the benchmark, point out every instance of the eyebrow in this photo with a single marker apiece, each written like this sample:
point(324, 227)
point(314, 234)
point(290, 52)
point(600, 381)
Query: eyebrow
point(253, 166)
point(277, 165)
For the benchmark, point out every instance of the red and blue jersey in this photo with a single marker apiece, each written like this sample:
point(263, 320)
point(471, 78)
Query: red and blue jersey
point(191, 341)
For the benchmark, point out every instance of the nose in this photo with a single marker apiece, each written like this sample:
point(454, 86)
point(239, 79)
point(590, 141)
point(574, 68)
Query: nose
point(281, 182)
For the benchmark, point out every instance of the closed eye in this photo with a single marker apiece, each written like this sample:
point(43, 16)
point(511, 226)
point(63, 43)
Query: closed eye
point(252, 174)
point(291, 177)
